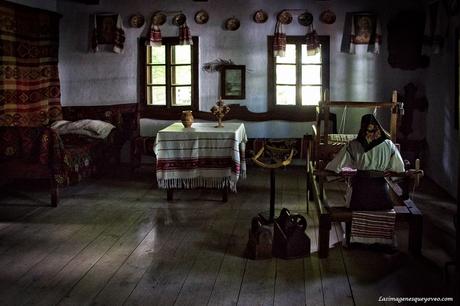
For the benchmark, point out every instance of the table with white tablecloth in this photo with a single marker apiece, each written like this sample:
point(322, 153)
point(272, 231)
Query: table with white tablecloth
point(202, 156)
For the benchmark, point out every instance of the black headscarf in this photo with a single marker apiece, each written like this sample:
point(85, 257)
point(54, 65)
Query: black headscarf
point(365, 121)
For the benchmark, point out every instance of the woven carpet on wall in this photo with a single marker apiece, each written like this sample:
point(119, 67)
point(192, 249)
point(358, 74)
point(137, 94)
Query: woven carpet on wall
point(30, 92)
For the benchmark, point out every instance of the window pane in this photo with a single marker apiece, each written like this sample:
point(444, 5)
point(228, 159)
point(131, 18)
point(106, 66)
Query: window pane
point(156, 55)
point(181, 75)
point(156, 75)
point(285, 95)
point(312, 59)
point(156, 95)
point(311, 95)
point(181, 54)
point(289, 57)
point(311, 74)
point(182, 95)
point(285, 74)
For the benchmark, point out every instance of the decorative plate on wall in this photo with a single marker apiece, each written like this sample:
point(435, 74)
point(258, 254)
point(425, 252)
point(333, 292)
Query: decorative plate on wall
point(232, 24)
point(179, 19)
point(327, 17)
point(260, 16)
point(136, 21)
point(158, 19)
point(305, 19)
point(201, 17)
point(284, 17)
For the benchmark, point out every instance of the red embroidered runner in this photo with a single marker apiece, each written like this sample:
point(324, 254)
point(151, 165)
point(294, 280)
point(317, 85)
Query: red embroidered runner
point(373, 226)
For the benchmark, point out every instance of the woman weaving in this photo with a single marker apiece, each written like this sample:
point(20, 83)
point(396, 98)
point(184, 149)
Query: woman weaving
point(374, 156)
point(371, 157)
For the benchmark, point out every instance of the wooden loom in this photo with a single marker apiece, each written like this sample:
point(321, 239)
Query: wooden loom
point(321, 148)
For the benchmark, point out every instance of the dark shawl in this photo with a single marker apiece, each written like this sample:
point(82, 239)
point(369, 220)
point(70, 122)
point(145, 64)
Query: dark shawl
point(365, 121)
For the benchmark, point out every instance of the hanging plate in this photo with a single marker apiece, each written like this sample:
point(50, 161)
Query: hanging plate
point(260, 16)
point(158, 19)
point(305, 19)
point(232, 24)
point(285, 17)
point(327, 17)
point(201, 17)
point(136, 21)
point(179, 19)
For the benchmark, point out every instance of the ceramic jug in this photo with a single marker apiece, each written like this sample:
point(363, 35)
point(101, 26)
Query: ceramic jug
point(187, 118)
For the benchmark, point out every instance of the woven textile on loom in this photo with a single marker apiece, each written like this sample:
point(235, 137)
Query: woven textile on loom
point(373, 226)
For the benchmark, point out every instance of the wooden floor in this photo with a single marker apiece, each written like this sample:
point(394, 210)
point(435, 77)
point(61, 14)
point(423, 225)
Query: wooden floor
point(115, 241)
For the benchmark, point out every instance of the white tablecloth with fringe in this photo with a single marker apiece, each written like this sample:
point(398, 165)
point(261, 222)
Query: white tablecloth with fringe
point(201, 156)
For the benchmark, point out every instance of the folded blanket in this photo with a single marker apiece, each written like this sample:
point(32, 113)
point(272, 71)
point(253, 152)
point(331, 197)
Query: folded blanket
point(92, 128)
point(373, 226)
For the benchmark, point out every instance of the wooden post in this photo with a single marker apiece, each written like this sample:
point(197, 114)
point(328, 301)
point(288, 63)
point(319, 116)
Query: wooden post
point(54, 191)
point(394, 116)
point(324, 229)
point(225, 193)
point(326, 116)
point(348, 232)
point(317, 137)
point(415, 228)
point(169, 195)
point(272, 195)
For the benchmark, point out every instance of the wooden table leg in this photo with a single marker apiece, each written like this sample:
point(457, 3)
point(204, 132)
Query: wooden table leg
point(169, 195)
point(54, 192)
point(324, 229)
point(225, 194)
point(415, 228)
point(415, 234)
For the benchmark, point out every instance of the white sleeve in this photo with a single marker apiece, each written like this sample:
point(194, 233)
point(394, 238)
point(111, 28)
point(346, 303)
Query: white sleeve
point(341, 159)
point(396, 163)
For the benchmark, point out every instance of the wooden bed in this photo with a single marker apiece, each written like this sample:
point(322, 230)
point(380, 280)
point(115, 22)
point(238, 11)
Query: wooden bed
point(321, 148)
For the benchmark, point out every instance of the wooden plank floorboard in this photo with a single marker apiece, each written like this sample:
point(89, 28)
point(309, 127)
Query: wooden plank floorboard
point(313, 278)
point(79, 265)
point(119, 241)
point(48, 259)
point(21, 231)
point(128, 275)
point(167, 274)
point(258, 283)
point(336, 287)
point(290, 276)
point(200, 280)
point(144, 292)
point(50, 235)
point(100, 274)
point(227, 285)
point(258, 287)
point(11, 215)
point(290, 282)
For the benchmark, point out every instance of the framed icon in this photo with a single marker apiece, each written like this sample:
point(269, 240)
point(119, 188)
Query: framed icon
point(232, 84)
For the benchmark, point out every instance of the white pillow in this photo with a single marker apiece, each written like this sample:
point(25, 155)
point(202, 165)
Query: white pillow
point(88, 127)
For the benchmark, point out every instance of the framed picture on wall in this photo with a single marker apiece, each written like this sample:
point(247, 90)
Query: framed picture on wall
point(232, 82)
point(106, 28)
point(364, 27)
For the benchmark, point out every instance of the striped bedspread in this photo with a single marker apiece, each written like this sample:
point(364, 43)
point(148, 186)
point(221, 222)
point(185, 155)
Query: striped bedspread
point(373, 226)
point(201, 156)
